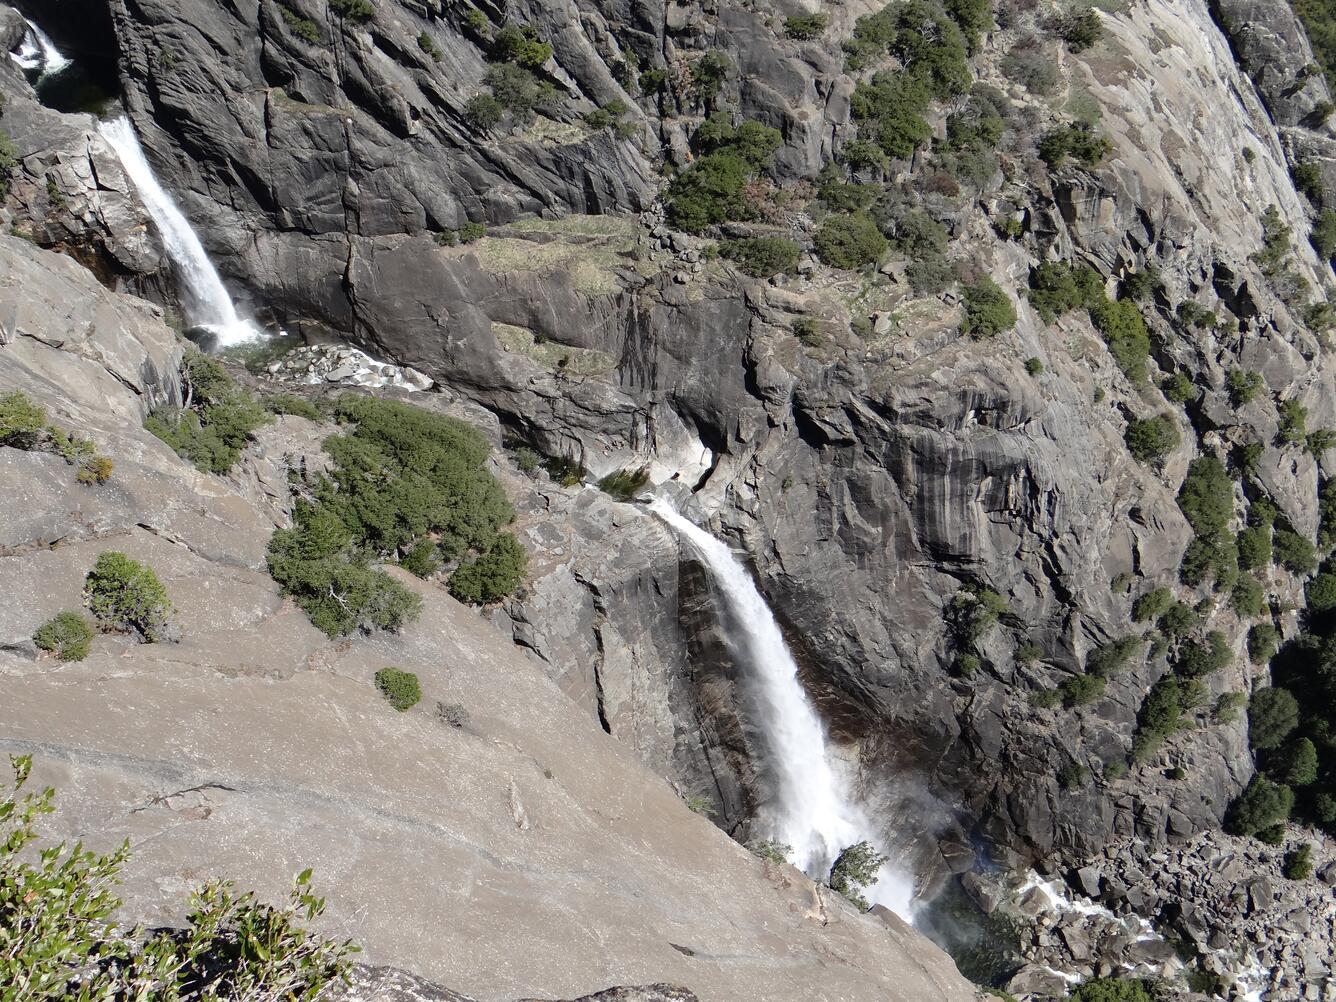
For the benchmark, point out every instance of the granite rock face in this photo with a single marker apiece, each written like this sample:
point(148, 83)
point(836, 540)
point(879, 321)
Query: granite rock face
point(525, 852)
point(870, 478)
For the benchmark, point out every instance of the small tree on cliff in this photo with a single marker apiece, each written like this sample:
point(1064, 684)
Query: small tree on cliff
point(854, 871)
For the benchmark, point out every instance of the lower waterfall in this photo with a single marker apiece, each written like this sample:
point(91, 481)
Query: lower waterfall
point(208, 304)
point(812, 810)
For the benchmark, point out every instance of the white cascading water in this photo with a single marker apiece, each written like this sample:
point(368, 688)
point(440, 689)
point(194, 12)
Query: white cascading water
point(207, 303)
point(812, 810)
point(38, 52)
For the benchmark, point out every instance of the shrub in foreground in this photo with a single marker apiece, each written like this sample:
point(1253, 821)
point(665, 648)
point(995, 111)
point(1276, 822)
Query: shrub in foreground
point(400, 688)
point(124, 595)
point(62, 939)
point(67, 635)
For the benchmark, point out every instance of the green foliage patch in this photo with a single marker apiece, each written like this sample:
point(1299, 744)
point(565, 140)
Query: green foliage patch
point(400, 688)
point(62, 941)
point(67, 635)
point(127, 596)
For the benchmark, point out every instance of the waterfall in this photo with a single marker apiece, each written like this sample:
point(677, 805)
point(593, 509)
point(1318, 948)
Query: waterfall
point(38, 52)
point(207, 303)
point(812, 810)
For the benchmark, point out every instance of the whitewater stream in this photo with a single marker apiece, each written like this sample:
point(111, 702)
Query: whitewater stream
point(811, 809)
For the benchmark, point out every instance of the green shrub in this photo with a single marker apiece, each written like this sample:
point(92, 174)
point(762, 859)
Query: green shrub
point(63, 940)
point(711, 190)
point(314, 562)
point(1151, 605)
point(1243, 386)
point(290, 403)
point(1057, 288)
point(67, 635)
point(1262, 805)
point(1077, 141)
point(805, 330)
point(353, 10)
point(484, 112)
point(1263, 641)
point(805, 27)
point(1177, 620)
point(1073, 776)
point(1293, 421)
point(1150, 440)
point(519, 44)
point(1323, 234)
point(1297, 765)
point(426, 44)
point(708, 74)
point(401, 475)
point(22, 422)
point(1247, 598)
point(891, 110)
point(1108, 659)
point(1114, 769)
point(930, 275)
point(472, 232)
point(972, 612)
point(306, 30)
point(1179, 388)
point(1207, 496)
point(493, 575)
point(1200, 658)
point(1299, 863)
point(1254, 545)
point(518, 91)
point(1080, 28)
point(988, 310)
point(9, 159)
point(216, 420)
point(1321, 592)
point(1034, 366)
point(1272, 835)
point(1078, 690)
point(422, 559)
point(1227, 706)
point(125, 595)
point(1273, 714)
point(1030, 66)
point(1163, 707)
point(855, 870)
point(625, 485)
point(1045, 699)
point(1029, 653)
point(849, 241)
point(400, 688)
point(1293, 551)
point(1124, 330)
point(1307, 177)
point(761, 257)
point(770, 851)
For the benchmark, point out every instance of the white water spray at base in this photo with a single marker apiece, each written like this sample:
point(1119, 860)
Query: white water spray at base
point(812, 810)
point(38, 52)
point(208, 304)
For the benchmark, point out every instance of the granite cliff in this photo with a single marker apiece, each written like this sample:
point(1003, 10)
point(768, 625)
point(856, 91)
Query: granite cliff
point(884, 471)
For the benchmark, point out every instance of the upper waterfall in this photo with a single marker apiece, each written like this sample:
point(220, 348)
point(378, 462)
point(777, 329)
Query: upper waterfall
point(812, 810)
point(38, 52)
point(207, 304)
